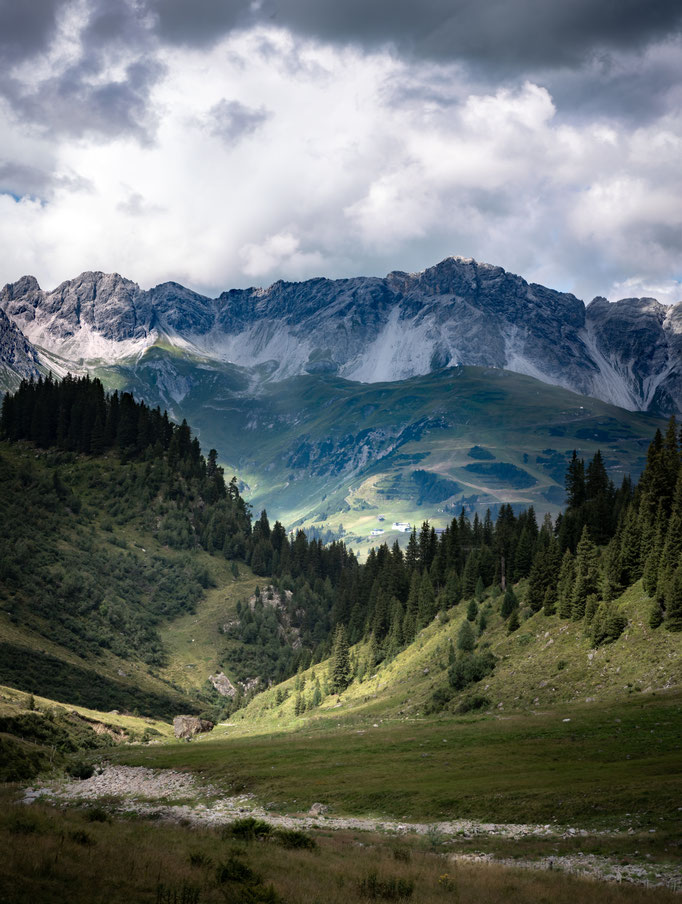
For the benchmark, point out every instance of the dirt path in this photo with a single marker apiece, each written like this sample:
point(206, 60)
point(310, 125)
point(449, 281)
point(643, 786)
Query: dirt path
point(179, 796)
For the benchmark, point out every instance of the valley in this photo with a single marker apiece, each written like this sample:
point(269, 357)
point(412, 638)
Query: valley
point(425, 643)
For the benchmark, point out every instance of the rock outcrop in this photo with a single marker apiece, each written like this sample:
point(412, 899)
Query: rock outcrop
point(188, 726)
point(18, 358)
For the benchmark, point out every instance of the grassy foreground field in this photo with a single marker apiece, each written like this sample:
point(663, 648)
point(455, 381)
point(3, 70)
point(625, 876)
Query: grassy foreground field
point(618, 766)
point(84, 857)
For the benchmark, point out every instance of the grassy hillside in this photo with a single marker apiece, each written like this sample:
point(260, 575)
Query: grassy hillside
point(322, 451)
point(42, 735)
point(90, 594)
point(547, 661)
point(565, 732)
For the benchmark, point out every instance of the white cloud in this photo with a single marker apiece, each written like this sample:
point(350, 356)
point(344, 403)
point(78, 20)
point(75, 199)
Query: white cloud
point(333, 167)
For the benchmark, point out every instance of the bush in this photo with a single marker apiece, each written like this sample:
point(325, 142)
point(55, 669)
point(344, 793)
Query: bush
point(473, 703)
point(233, 870)
point(608, 624)
point(248, 829)
point(96, 814)
point(294, 838)
point(440, 697)
point(470, 668)
point(80, 770)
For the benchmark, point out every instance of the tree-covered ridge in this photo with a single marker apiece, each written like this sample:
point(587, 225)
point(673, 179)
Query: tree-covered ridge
point(148, 470)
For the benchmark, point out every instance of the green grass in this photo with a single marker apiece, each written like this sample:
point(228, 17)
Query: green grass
point(537, 769)
point(66, 857)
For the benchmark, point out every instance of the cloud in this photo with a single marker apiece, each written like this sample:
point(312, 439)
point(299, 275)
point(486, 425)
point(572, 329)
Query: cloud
point(516, 35)
point(90, 69)
point(27, 28)
point(266, 155)
point(231, 120)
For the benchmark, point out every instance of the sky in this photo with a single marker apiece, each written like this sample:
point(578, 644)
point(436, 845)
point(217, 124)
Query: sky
point(231, 143)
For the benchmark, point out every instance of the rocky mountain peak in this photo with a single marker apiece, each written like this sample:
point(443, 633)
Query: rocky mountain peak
point(369, 329)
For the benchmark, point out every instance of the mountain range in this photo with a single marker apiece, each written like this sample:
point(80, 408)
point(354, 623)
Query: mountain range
point(459, 312)
point(339, 401)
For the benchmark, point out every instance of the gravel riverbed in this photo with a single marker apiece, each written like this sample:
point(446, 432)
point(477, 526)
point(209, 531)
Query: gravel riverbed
point(179, 796)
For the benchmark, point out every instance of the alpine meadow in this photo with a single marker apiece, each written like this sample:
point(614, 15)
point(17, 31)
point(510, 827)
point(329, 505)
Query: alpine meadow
point(317, 585)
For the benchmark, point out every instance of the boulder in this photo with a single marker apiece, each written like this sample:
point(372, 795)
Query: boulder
point(188, 726)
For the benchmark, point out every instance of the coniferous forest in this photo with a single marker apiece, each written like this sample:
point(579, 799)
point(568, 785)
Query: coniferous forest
point(607, 538)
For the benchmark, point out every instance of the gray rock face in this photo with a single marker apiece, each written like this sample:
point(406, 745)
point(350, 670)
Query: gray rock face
point(373, 330)
point(188, 726)
point(18, 358)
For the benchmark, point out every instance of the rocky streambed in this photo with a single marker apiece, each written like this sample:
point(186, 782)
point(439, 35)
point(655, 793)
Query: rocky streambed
point(179, 796)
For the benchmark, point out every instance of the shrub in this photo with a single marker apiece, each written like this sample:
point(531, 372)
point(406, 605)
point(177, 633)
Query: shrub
point(233, 870)
point(248, 829)
point(470, 668)
point(96, 814)
point(608, 624)
point(294, 838)
point(80, 770)
point(473, 703)
point(388, 889)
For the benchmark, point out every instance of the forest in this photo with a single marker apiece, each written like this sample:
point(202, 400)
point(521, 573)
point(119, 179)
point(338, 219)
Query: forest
point(607, 538)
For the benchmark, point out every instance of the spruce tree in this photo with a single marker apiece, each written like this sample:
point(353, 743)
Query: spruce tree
point(340, 674)
point(587, 575)
point(472, 611)
point(550, 600)
point(427, 602)
point(509, 603)
point(470, 574)
point(412, 609)
point(673, 602)
point(513, 624)
point(652, 562)
point(672, 548)
point(466, 641)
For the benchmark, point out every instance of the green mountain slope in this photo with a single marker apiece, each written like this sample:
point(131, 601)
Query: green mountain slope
point(322, 451)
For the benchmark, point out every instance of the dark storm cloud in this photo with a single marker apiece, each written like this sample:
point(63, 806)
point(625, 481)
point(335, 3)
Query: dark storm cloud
point(82, 98)
point(517, 35)
point(26, 28)
point(639, 87)
point(75, 103)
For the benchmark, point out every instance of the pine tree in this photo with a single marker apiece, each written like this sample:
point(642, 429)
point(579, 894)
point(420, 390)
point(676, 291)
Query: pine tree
point(479, 590)
point(509, 603)
point(466, 641)
point(672, 548)
point(523, 557)
point(412, 609)
point(587, 575)
point(651, 565)
point(340, 675)
point(427, 602)
point(550, 600)
point(470, 574)
point(453, 590)
point(472, 611)
point(513, 624)
point(673, 602)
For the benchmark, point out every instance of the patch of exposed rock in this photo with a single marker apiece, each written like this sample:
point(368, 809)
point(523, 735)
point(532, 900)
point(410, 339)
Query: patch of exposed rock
point(188, 726)
point(222, 684)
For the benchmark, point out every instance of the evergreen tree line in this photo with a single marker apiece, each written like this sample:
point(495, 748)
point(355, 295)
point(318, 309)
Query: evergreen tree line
point(605, 540)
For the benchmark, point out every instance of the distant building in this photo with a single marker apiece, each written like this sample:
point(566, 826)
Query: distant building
point(439, 531)
point(402, 525)
point(381, 517)
point(377, 532)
